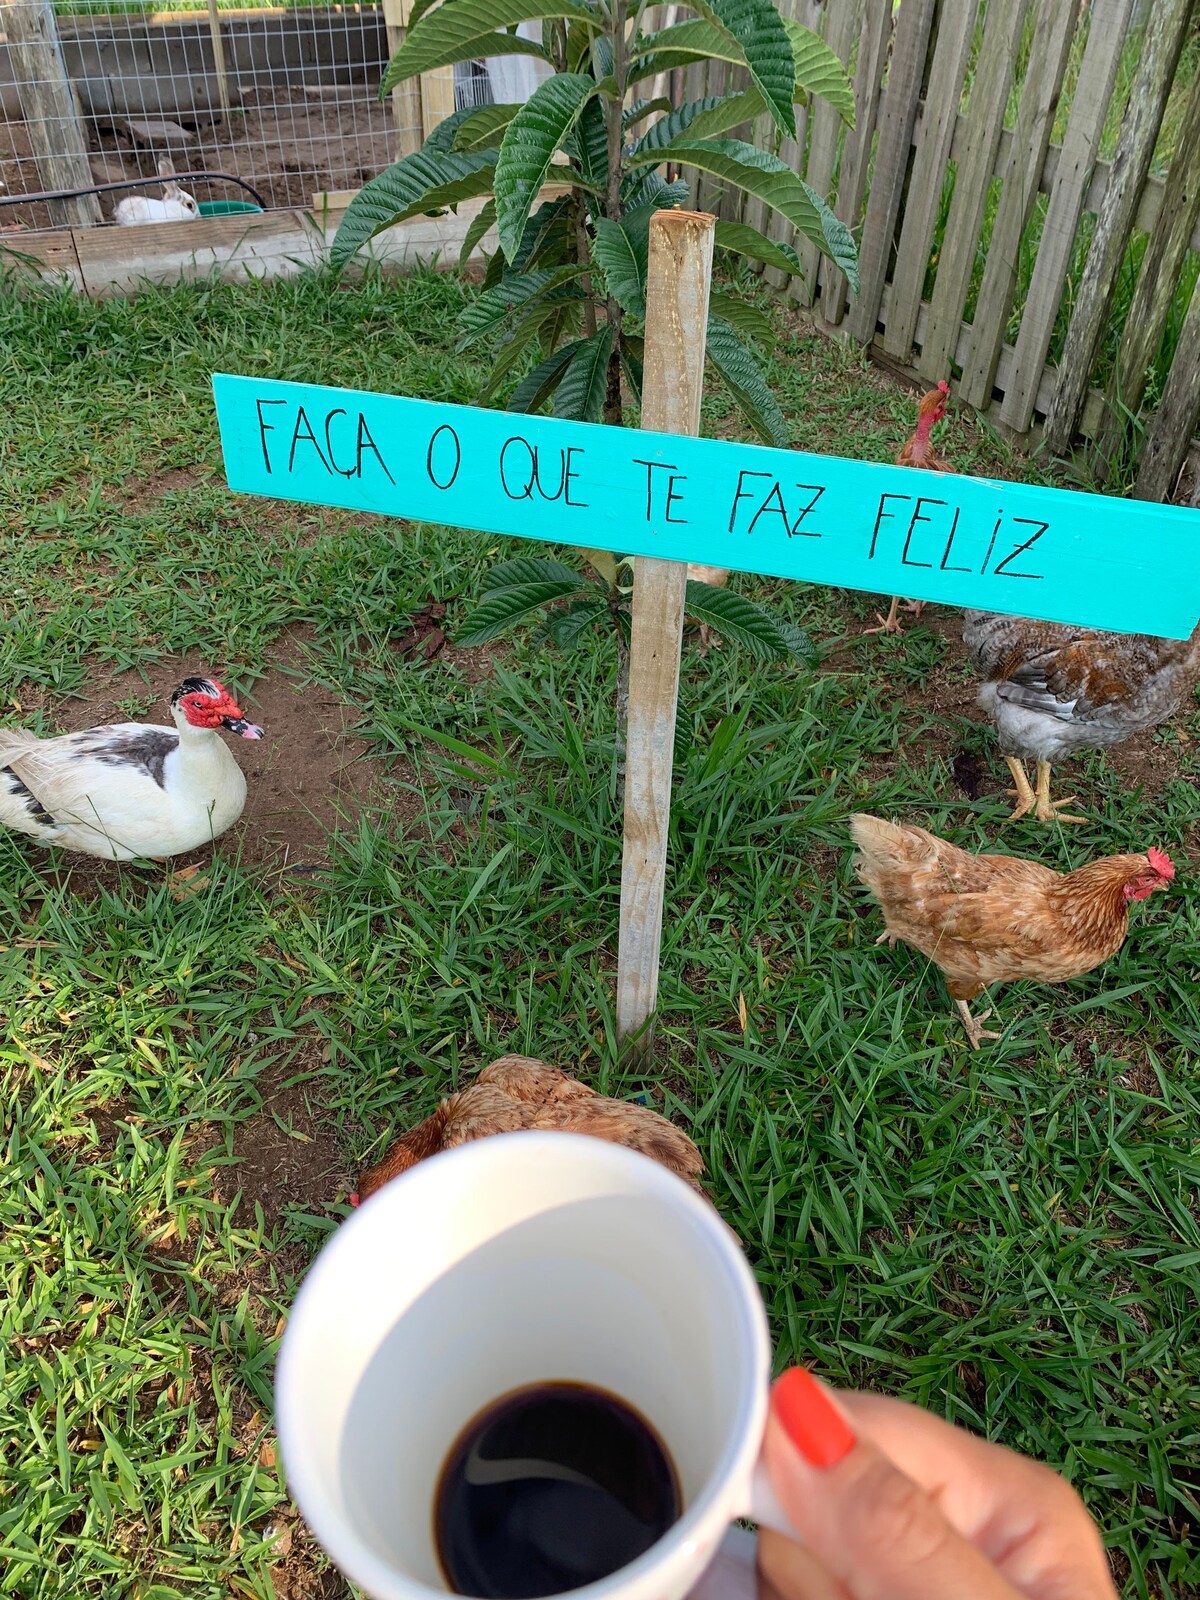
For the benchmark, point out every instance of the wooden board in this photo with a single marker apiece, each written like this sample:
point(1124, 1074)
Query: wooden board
point(934, 131)
point(840, 28)
point(897, 118)
point(1020, 548)
point(1020, 166)
point(1178, 414)
point(874, 37)
point(793, 151)
point(406, 96)
point(985, 119)
point(1161, 45)
point(50, 256)
point(1073, 169)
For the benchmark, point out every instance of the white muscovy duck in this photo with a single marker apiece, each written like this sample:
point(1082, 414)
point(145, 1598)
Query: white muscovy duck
point(130, 790)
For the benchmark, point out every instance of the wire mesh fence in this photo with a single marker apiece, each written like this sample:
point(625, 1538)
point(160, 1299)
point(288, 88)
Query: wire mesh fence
point(285, 99)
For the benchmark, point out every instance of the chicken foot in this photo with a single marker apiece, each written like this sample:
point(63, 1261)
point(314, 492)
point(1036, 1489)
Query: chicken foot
point(1038, 801)
point(891, 623)
point(974, 1025)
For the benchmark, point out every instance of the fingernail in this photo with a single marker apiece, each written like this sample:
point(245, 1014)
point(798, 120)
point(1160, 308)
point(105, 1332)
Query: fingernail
point(810, 1419)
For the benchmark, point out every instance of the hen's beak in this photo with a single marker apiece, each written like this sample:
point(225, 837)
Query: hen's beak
point(248, 730)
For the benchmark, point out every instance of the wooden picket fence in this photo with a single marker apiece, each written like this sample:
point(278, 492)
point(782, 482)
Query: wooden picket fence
point(914, 64)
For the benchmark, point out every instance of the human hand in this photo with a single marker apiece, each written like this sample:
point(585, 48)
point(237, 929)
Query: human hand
point(893, 1503)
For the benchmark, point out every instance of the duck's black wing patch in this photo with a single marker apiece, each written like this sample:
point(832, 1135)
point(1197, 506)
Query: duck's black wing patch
point(26, 796)
point(146, 750)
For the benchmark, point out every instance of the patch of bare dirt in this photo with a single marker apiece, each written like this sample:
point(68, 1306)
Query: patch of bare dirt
point(287, 1154)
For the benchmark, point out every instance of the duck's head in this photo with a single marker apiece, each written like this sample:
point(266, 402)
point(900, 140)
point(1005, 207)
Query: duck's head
point(204, 703)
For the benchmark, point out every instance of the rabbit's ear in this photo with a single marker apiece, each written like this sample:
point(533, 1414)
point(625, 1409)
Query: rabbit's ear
point(171, 191)
point(166, 167)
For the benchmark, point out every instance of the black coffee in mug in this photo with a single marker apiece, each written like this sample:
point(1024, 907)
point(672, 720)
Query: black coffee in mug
point(549, 1488)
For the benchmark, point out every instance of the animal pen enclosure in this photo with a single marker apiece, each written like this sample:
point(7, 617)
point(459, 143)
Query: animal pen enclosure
point(1024, 179)
point(1023, 175)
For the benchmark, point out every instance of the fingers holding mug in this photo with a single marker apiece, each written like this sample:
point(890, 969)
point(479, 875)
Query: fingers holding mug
point(907, 1521)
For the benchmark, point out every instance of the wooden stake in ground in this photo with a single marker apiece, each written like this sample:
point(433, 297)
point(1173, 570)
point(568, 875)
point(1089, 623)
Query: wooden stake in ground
point(218, 47)
point(680, 272)
point(55, 130)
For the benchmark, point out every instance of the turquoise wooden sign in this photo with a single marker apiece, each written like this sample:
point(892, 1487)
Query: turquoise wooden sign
point(1088, 559)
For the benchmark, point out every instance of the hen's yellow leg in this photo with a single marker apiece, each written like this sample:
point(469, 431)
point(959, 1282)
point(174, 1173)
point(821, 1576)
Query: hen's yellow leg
point(1026, 799)
point(974, 1025)
point(1047, 809)
point(890, 623)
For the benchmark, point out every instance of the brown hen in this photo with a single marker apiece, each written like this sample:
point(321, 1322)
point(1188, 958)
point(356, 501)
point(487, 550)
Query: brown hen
point(1053, 690)
point(918, 450)
point(993, 919)
point(520, 1092)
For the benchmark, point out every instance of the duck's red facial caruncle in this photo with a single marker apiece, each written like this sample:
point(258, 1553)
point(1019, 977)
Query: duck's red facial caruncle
point(207, 704)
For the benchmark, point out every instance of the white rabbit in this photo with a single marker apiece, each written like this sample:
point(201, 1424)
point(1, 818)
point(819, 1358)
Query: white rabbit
point(175, 206)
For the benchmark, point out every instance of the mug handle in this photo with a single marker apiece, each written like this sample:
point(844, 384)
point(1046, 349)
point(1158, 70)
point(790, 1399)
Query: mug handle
point(765, 1508)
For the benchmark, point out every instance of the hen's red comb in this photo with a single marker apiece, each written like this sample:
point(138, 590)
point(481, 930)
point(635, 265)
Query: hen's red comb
point(1160, 862)
point(943, 386)
point(353, 1197)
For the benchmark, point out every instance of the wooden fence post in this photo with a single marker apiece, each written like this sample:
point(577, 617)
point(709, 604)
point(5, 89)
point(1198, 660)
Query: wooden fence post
point(406, 97)
point(1158, 279)
point(1076, 163)
point(897, 118)
point(51, 119)
point(218, 48)
point(677, 288)
point(873, 44)
point(1177, 415)
point(1148, 93)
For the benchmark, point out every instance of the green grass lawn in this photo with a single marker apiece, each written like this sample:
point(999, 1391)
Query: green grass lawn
point(193, 1073)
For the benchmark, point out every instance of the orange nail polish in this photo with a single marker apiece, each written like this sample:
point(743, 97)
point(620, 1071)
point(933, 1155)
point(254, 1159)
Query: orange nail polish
point(810, 1419)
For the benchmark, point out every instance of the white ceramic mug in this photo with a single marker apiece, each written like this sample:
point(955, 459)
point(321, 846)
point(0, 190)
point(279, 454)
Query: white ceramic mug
point(520, 1258)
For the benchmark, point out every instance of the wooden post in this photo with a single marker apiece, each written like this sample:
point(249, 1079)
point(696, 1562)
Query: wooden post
point(1076, 162)
point(1148, 93)
point(218, 46)
point(897, 118)
point(1158, 279)
point(873, 44)
point(53, 124)
point(406, 96)
point(1177, 415)
point(437, 98)
point(680, 272)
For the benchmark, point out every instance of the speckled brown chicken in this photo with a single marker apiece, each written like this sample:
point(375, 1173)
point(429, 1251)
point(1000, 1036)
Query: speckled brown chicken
point(520, 1092)
point(993, 919)
point(1054, 690)
point(918, 450)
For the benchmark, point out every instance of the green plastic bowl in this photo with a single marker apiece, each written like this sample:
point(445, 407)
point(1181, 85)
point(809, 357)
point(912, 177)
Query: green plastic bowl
point(226, 208)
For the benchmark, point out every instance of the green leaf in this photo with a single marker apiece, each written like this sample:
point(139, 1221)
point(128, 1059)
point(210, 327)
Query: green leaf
point(421, 182)
point(746, 383)
point(585, 383)
point(548, 225)
point(464, 30)
point(508, 352)
point(649, 189)
point(670, 127)
point(588, 144)
point(530, 141)
point(767, 178)
point(632, 357)
point(623, 253)
point(756, 246)
point(819, 70)
point(492, 309)
point(443, 136)
point(476, 229)
point(742, 621)
point(483, 127)
point(522, 571)
point(742, 317)
point(642, 108)
point(685, 733)
point(758, 29)
point(495, 616)
point(537, 386)
point(567, 627)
